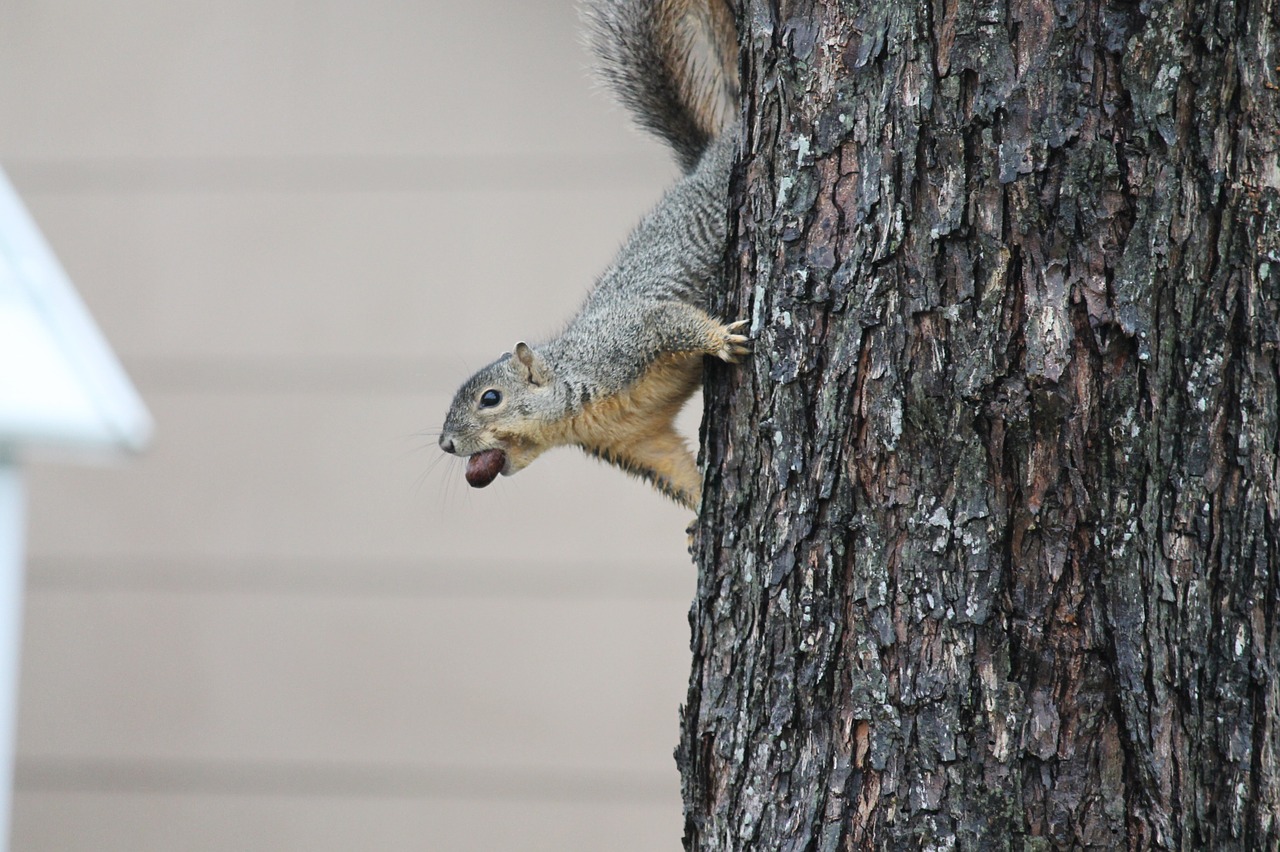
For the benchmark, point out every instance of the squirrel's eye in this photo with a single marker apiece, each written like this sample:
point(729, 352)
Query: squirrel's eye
point(490, 398)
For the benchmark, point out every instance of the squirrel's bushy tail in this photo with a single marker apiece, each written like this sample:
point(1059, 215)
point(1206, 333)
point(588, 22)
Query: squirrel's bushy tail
point(673, 63)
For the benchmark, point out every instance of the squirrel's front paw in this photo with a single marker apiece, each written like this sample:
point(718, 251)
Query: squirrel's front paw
point(730, 345)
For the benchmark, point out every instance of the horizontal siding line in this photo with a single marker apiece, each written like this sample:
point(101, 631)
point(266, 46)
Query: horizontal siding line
point(66, 775)
point(428, 376)
point(338, 174)
point(297, 374)
point(486, 580)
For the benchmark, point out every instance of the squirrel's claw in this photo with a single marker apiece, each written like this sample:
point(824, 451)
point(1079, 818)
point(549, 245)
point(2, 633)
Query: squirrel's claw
point(733, 346)
point(734, 350)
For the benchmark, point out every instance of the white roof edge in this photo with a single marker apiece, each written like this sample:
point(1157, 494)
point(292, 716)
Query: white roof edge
point(109, 414)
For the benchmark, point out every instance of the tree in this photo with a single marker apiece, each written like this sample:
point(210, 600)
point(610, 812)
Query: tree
point(990, 552)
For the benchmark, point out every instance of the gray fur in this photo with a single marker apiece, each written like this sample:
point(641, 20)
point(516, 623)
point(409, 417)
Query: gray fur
point(653, 298)
point(672, 63)
point(669, 262)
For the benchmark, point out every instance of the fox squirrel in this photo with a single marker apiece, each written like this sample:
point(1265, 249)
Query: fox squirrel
point(613, 382)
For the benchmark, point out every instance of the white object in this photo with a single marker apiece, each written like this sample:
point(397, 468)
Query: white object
point(61, 390)
point(60, 385)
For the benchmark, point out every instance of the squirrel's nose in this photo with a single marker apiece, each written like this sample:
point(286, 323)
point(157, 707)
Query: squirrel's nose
point(446, 443)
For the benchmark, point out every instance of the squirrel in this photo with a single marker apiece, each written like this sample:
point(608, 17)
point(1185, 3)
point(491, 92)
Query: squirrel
point(614, 380)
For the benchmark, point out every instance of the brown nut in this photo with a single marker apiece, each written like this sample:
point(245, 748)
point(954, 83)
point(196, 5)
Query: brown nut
point(484, 467)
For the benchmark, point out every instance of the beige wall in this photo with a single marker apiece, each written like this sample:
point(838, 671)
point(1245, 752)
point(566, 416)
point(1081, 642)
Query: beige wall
point(291, 625)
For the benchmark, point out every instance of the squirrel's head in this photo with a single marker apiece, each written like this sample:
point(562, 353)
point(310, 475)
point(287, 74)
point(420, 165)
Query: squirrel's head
point(500, 417)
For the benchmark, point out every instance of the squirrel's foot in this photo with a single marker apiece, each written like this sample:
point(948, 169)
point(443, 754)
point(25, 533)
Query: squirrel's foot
point(731, 345)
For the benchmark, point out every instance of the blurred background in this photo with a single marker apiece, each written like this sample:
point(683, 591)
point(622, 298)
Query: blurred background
point(290, 625)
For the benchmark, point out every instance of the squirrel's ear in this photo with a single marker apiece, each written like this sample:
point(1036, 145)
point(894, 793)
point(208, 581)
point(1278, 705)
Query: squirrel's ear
point(536, 371)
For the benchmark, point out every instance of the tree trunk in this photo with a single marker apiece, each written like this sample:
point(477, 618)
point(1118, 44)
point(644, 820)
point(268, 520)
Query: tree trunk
point(990, 547)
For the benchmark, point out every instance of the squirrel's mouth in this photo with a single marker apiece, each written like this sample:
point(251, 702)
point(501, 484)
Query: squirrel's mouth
point(483, 467)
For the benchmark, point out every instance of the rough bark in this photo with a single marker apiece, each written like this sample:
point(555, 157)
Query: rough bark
point(990, 551)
